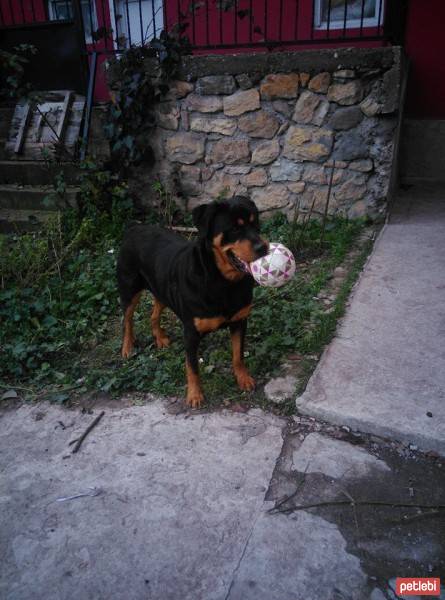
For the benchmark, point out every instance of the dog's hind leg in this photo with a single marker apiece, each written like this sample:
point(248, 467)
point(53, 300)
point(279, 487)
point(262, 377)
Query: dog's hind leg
point(161, 338)
point(128, 340)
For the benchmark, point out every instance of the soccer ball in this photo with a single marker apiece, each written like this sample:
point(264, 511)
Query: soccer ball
point(276, 268)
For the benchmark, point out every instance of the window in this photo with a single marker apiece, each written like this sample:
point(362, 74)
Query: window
point(62, 10)
point(138, 21)
point(337, 14)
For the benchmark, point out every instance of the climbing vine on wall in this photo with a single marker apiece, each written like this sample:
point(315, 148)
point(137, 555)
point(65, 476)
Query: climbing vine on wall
point(140, 86)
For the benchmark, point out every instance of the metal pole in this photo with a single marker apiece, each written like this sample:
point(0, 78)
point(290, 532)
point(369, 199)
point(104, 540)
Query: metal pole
point(362, 15)
point(345, 18)
point(88, 107)
point(328, 30)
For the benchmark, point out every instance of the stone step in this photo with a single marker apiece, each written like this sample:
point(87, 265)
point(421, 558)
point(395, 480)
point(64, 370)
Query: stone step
point(20, 221)
point(2, 148)
point(6, 113)
point(18, 197)
point(35, 172)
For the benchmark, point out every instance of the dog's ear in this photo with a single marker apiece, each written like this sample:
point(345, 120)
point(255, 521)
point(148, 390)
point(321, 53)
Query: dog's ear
point(247, 203)
point(202, 217)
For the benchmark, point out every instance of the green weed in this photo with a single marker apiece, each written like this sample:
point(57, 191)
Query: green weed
point(61, 326)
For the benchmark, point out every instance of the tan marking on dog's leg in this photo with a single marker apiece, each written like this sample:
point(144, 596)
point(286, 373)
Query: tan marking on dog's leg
point(161, 338)
point(128, 339)
point(242, 314)
point(243, 378)
point(194, 391)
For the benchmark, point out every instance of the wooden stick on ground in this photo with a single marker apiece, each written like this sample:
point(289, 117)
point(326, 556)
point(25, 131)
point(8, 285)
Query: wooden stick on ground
point(287, 498)
point(86, 432)
point(437, 507)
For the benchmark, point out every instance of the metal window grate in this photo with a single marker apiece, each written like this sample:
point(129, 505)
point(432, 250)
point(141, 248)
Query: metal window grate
point(112, 25)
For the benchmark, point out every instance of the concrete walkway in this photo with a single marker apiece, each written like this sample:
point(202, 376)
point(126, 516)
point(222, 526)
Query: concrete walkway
point(177, 500)
point(180, 512)
point(178, 508)
point(384, 373)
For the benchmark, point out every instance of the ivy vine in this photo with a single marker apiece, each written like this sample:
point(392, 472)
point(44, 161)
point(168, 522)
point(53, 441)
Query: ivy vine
point(131, 115)
point(12, 72)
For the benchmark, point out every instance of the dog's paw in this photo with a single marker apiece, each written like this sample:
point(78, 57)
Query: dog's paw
point(162, 341)
point(126, 351)
point(245, 381)
point(194, 398)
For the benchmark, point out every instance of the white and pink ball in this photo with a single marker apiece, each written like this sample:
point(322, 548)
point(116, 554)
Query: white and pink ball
point(276, 268)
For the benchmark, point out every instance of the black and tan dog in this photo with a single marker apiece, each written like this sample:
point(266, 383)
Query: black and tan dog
point(203, 282)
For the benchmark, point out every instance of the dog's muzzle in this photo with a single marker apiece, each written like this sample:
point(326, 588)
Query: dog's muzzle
point(237, 263)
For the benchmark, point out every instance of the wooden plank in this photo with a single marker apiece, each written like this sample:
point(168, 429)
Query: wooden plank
point(22, 129)
point(39, 136)
point(37, 128)
point(60, 131)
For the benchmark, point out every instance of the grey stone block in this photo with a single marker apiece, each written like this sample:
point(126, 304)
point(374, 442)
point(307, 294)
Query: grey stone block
point(346, 118)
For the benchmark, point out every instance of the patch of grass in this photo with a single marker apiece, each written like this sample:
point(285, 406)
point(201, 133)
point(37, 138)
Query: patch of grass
point(62, 335)
point(327, 322)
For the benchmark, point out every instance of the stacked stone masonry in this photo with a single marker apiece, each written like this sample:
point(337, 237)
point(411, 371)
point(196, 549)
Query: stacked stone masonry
point(281, 138)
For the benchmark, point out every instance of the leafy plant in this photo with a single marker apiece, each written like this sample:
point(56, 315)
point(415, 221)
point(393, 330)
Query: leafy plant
point(104, 197)
point(12, 71)
point(41, 324)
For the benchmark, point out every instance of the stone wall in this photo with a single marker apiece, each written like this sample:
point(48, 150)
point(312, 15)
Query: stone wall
point(278, 127)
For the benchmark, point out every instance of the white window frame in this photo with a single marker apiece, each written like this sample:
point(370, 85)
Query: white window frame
point(350, 23)
point(147, 27)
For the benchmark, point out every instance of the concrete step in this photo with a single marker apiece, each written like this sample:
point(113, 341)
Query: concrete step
point(2, 148)
point(6, 113)
point(18, 197)
point(35, 172)
point(20, 221)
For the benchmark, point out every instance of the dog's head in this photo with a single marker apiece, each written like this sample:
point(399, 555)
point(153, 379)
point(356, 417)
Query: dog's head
point(232, 227)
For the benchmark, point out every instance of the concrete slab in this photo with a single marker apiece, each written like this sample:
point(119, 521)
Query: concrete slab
point(313, 564)
point(179, 497)
point(334, 458)
point(183, 508)
point(384, 373)
point(389, 540)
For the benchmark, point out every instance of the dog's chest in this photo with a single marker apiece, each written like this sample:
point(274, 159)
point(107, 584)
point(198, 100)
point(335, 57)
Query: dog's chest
point(208, 324)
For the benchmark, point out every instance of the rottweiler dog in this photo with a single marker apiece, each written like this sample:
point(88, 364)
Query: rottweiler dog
point(204, 282)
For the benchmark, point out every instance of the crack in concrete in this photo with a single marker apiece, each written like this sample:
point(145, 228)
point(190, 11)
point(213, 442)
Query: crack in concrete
point(235, 571)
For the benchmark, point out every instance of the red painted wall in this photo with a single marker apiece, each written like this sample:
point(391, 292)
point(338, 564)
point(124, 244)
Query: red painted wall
point(217, 31)
point(426, 49)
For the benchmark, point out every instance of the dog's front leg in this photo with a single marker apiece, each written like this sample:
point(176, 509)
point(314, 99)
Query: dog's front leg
point(194, 391)
point(238, 334)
